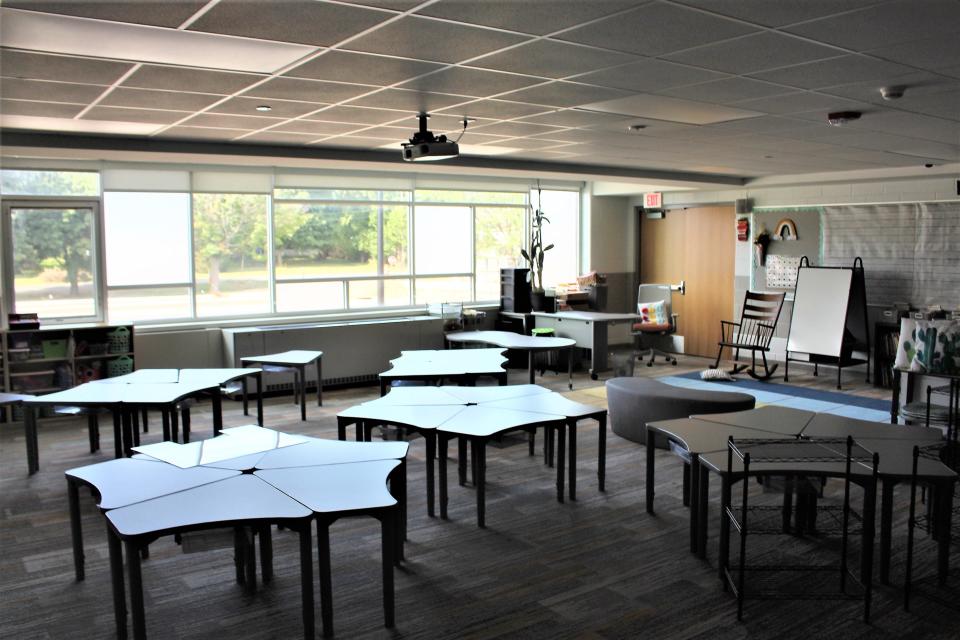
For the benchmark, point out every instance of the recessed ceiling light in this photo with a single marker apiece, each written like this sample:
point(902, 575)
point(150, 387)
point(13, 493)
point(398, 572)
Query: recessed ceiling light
point(264, 107)
point(840, 118)
point(636, 127)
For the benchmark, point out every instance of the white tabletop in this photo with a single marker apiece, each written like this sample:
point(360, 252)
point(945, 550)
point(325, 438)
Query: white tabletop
point(153, 376)
point(483, 421)
point(317, 452)
point(419, 417)
point(338, 487)
point(236, 499)
point(233, 443)
point(13, 398)
point(214, 376)
point(589, 316)
point(295, 357)
point(447, 363)
point(510, 340)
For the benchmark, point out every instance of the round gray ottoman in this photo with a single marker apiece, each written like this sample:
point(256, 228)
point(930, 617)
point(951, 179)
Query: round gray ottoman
point(633, 402)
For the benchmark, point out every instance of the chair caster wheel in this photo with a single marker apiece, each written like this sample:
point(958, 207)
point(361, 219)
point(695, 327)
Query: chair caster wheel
point(650, 364)
point(674, 363)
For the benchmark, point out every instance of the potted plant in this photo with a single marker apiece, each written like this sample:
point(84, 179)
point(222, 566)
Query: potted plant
point(534, 256)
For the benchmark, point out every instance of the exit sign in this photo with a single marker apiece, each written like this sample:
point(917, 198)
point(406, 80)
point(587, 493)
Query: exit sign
point(653, 200)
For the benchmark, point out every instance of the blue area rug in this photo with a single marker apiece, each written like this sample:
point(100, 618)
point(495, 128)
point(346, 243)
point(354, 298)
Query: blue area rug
point(832, 397)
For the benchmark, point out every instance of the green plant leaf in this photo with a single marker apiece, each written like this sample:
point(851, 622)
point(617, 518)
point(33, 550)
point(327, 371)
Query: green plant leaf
point(548, 247)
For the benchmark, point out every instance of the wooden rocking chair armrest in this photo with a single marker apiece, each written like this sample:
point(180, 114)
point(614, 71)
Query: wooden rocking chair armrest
point(730, 322)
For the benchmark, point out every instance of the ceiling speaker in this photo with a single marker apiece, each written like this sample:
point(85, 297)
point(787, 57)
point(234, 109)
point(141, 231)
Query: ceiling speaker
point(744, 205)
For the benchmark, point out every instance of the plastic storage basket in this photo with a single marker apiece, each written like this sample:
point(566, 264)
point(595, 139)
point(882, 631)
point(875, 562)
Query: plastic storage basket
point(119, 340)
point(119, 366)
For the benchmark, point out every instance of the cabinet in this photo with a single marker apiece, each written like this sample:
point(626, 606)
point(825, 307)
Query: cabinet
point(886, 338)
point(514, 290)
point(48, 359)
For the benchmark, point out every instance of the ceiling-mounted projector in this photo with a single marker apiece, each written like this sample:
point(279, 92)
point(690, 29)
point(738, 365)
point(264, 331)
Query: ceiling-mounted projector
point(424, 146)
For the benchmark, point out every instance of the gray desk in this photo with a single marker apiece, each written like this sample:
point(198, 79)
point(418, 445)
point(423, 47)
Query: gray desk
point(296, 360)
point(290, 481)
point(463, 366)
point(474, 415)
point(519, 342)
point(588, 328)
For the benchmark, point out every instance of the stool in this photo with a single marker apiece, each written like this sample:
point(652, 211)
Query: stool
point(552, 361)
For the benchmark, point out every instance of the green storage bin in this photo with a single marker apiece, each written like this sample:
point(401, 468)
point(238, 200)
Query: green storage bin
point(54, 348)
point(119, 366)
point(119, 340)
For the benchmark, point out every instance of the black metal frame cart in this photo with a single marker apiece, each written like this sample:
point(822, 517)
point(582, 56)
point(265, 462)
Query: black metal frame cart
point(796, 460)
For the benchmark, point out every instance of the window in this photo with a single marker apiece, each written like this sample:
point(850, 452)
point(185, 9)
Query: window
point(561, 263)
point(211, 242)
point(151, 279)
point(230, 254)
point(53, 261)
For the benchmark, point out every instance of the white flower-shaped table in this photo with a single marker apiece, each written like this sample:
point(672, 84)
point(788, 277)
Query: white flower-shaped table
point(462, 366)
point(475, 415)
point(249, 479)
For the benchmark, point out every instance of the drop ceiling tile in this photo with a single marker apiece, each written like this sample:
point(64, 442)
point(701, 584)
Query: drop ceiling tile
point(671, 109)
point(398, 134)
point(361, 115)
point(550, 59)
point(359, 143)
point(200, 133)
point(799, 102)
point(424, 39)
point(222, 121)
point(754, 52)
point(832, 72)
point(445, 123)
point(37, 66)
point(346, 66)
point(495, 109)
point(943, 105)
point(465, 81)
point(950, 71)
point(577, 118)
point(412, 101)
point(727, 91)
point(515, 129)
point(152, 76)
point(471, 137)
point(887, 23)
point(276, 137)
point(655, 29)
point(156, 99)
point(570, 135)
point(316, 128)
point(160, 14)
point(564, 94)
point(49, 91)
point(307, 90)
point(278, 108)
point(532, 143)
point(392, 5)
point(765, 124)
point(41, 109)
point(300, 21)
point(649, 75)
point(911, 125)
point(122, 114)
point(780, 13)
point(918, 83)
point(539, 18)
point(929, 53)
point(51, 33)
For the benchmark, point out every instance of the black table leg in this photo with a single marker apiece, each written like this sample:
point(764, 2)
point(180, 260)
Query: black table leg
point(117, 432)
point(319, 383)
point(430, 435)
point(306, 582)
point(76, 530)
point(30, 435)
point(703, 502)
point(136, 590)
point(387, 534)
point(602, 451)
point(303, 392)
point(398, 488)
point(650, 460)
point(93, 432)
point(259, 379)
point(572, 458)
point(266, 552)
point(342, 428)
point(185, 419)
point(942, 515)
point(530, 375)
point(165, 421)
point(246, 398)
point(479, 447)
point(532, 440)
point(723, 554)
point(694, 498)
point(886, 524)
point(127, 434)
point(442, 442)
point(326, 584)
point(462, 459)
point(560, 434)
point(866, 552)
point(116, 583)
point(570, 368)
point(249, 559)
point(174, 424)
point(217, 414)
point(383, 386)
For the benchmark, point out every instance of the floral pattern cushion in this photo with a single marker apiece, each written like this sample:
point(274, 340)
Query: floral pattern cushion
point(929, 346)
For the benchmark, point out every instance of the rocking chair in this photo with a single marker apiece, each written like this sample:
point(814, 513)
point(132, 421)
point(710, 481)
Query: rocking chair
point(753, 333)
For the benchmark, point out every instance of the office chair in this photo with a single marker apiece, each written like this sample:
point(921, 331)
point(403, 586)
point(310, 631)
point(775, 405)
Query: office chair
point(657, 320)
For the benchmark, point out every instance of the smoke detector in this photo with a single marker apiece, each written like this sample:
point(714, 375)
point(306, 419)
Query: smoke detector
point(892, 93)
point(840, 118)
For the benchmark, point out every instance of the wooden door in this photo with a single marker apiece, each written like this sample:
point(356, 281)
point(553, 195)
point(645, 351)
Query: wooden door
point(696, 245)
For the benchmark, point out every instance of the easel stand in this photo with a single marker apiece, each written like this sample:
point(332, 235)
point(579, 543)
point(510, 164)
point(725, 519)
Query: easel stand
point(829, 318)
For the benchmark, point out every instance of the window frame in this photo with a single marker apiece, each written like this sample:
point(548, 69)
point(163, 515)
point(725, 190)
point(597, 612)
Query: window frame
point(98, 262)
